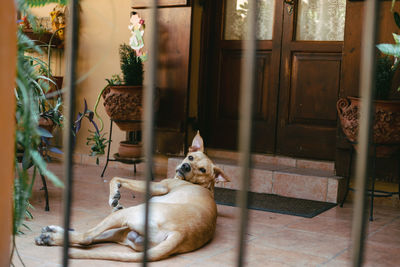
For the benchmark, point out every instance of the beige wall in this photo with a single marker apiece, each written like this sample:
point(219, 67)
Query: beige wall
point(104, 26)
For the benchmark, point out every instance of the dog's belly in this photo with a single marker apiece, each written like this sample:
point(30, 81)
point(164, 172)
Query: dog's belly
point(190, 194)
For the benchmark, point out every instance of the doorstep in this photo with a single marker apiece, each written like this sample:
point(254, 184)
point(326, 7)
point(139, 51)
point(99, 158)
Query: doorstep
point(284, 176)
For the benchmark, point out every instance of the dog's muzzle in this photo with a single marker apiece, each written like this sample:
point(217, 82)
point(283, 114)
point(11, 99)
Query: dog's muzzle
point(183, 169)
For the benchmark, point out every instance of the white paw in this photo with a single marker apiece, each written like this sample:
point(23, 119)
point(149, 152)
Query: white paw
point(117, 208)
point(114, 200)
point(52, 229)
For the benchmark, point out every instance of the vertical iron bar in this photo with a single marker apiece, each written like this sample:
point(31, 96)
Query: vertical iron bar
point(71, 57)
point(245, 126)
point(367, 78)
point(149, 86)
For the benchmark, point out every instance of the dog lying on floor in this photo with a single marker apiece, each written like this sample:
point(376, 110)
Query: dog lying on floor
point(182, 216)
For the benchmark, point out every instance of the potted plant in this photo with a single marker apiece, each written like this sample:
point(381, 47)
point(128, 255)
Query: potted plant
point(123, 102)
point(386, 126)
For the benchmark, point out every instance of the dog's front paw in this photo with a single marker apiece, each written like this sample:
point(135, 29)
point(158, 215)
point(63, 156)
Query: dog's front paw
point(114, 199)
point(45, 239)
point(117, 208)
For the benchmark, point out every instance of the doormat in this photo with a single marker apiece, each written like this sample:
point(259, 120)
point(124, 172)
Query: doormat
point(274, 203)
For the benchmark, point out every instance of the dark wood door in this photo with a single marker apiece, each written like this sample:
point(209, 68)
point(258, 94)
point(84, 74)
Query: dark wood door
point(297, 83)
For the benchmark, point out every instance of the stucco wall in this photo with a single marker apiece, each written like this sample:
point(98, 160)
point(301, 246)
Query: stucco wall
point(104, 26)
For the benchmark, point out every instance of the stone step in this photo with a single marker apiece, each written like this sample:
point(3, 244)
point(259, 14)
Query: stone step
point(290, 177)
point(274, 159)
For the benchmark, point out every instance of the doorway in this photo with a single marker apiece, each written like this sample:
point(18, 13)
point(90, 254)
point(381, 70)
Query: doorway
point(298, 57)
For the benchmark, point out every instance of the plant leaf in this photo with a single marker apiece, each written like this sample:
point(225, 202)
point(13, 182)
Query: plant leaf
point(390, 49)
point(55, 150)
point(396, 38)
point(41, 164)
point(43, 132)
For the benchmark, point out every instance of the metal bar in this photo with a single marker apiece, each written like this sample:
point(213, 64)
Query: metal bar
point(367, 78)
point(71, 58)
point(148, 138)
point(245, 127)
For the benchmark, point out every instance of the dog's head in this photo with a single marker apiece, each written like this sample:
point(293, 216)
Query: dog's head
point(197, 168)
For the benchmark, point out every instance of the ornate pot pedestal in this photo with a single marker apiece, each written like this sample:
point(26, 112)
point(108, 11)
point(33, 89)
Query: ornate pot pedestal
point(386, 127)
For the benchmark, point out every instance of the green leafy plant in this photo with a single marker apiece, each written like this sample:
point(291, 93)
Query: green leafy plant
point(131, 66)
point(31, 103)
point(384, 76)
point(390, 50)
point(95, 140)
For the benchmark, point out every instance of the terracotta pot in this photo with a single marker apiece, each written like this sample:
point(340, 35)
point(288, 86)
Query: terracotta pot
point(386, 125)
point(47, 124)
point(129, 150)
point(123, 103)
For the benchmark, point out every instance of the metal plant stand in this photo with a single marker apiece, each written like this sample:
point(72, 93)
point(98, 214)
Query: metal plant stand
point(371, 192)
point(46, 192)
point(116, 157)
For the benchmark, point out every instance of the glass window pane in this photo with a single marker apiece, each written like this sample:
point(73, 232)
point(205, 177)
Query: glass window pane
point(321, 20)
point(236, 17)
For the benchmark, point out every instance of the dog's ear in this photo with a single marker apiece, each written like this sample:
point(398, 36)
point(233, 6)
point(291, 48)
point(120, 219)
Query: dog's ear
point(219, 175)
point(197, 143)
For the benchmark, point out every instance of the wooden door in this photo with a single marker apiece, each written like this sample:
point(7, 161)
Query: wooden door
point(297, 80)
point(310, 78)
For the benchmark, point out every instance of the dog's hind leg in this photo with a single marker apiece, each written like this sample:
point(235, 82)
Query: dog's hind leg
point(161, 251)
point(53, 235)
point(116, 183)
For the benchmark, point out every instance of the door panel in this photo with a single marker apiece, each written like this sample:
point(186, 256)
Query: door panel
point(314, 82)
point(224, 118)
point(310, 126)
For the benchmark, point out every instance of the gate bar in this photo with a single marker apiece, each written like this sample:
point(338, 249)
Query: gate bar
point(148, 137)
point(245, 126)
point(367, 89)
point(71, 58)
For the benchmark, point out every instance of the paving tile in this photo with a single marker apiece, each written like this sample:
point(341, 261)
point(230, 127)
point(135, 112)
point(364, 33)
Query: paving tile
point(332, 194)
point(388, 234)
point(316, 244)
point(314, 164)
point(261, 181)
point(376, 255)
point(290, 185)
point(277, 160)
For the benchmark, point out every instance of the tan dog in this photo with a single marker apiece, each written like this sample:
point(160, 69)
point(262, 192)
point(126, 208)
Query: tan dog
point(182, 214)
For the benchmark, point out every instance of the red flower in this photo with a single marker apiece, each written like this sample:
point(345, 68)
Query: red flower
point(141, 21)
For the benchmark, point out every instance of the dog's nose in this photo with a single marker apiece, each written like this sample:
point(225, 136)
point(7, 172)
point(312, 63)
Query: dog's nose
point(186, 167)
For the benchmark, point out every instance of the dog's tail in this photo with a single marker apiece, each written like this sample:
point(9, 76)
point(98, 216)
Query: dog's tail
point(161, 251)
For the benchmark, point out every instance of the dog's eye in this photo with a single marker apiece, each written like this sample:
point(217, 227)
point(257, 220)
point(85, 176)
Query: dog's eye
point(190, 158)
point(202, 170)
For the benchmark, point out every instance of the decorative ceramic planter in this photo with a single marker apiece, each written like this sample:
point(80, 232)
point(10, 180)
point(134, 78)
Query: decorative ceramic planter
point(123, 104)
point(129, 150)
point(386, 125)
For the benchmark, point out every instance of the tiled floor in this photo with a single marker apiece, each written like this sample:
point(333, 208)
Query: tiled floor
point(272, 239)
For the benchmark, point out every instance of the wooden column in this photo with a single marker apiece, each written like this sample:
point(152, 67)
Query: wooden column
point(7, 118)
